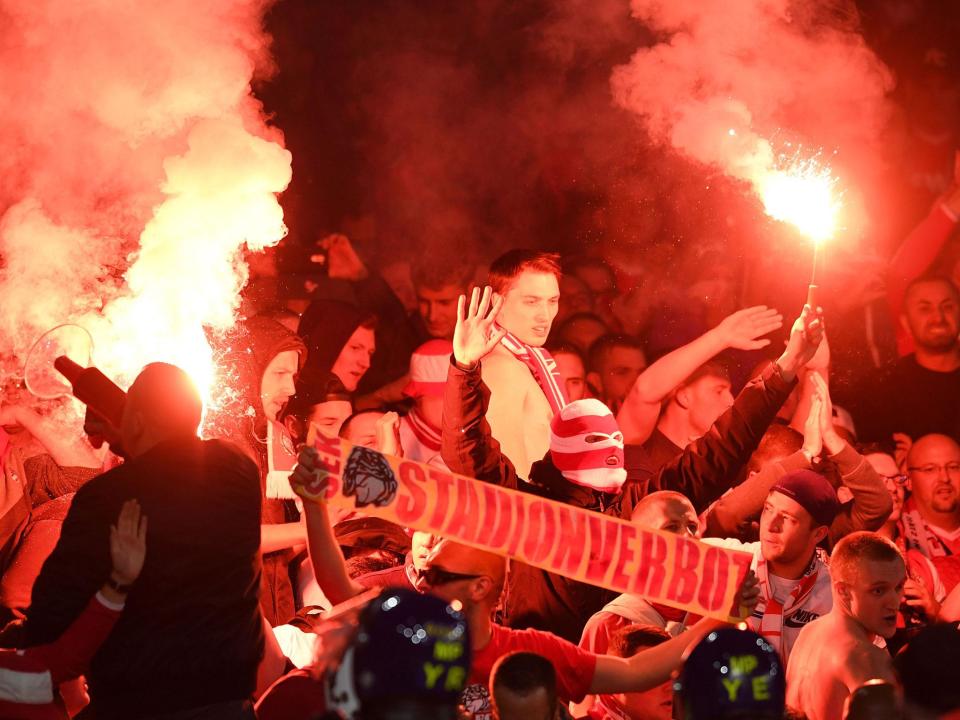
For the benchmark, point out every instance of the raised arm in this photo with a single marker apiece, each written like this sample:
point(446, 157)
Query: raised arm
point(66, 449)
point(707, 467)
point(329, 566)
point(871, 504)
point(468, 445)
point(654, 666)
point(921, 247)
point(641, 408)
point(69, 655)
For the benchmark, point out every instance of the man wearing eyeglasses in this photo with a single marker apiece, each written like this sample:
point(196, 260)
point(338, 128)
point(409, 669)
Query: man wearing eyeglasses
point(923, 591)
point(930, 520)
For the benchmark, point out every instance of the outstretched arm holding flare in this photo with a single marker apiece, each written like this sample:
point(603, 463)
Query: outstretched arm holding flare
point(655, 665)
point(743, 330)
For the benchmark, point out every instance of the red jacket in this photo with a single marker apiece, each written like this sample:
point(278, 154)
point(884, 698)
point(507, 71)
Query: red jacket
point(29, 678)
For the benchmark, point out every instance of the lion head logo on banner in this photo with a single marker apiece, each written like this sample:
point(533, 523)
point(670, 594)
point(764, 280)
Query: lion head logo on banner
point(369, 477)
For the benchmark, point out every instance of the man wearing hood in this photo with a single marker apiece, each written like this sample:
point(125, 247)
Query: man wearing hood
point(264, 360)
point(339, 339)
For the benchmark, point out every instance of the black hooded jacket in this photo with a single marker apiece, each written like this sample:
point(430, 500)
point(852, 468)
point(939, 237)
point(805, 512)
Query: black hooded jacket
point(252, 345)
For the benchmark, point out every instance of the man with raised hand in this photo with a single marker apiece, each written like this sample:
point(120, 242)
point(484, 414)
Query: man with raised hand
point(525, 388)
point(837, 653)
point(641, 410)
point(583, 466)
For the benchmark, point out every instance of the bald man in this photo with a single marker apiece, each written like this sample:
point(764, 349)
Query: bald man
point(930, 519)
point(663, 510)
point(837, 653)
point(191, 633)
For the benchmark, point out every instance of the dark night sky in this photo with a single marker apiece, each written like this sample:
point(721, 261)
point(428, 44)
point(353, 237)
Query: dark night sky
point(425, 123)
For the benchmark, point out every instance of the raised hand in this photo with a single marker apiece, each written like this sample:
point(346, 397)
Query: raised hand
point(917, 595)
point(745, 328)
point(477, 332)
point(128, 543)
point(388, 434)
point(831, 438)
point(812, 435)
point(309, 480)
point(805, 337)
point(748, 596)
point(341, 258)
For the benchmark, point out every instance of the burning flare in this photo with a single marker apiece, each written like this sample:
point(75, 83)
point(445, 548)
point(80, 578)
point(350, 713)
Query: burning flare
point(802, 194)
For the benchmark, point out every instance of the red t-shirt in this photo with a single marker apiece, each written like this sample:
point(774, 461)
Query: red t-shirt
point(295, 696)
point(575, 666)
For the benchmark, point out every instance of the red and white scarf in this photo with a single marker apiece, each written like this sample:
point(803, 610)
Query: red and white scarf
point(812, 593)
point(543, 367)
point(428, 436)
point(918, 535)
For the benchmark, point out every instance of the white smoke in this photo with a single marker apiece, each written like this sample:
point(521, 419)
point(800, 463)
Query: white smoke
point(135, 165)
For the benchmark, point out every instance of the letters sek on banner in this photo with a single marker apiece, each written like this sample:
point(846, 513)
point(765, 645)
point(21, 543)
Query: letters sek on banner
point(569, 541)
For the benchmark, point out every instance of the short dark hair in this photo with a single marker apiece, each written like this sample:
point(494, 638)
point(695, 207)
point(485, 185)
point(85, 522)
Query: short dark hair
point(628, 641)
point(711, 368)
point(562, 348)
point(931, 278)
point(777, 442)
point(522, 673)
point(578, 317)
point(435, 273)
point(927, 667)
point(571, 265)
point(509, 266)
point(344, 429)
point(310, 394)
point(605, 343)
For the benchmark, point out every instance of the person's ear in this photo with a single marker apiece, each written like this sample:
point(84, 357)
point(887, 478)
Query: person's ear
point(843, 590)
point(294, 427)
point(820, 533)
point(682, 397)
point(595, 382)
point(480, 588)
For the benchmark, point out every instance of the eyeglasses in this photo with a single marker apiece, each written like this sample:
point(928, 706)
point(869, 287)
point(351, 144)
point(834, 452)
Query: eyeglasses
point(435, 576)
point(952, 469)
point(899, 480)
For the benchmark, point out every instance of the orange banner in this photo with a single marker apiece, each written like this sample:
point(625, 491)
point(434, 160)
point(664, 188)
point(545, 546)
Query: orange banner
point(569, 541)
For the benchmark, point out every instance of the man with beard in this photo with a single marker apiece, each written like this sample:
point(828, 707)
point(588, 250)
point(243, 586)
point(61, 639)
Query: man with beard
point(920, 393)
point(837, 653)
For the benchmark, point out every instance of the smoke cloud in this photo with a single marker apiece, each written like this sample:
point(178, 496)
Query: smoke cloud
point(135, 165)
point(748, 86)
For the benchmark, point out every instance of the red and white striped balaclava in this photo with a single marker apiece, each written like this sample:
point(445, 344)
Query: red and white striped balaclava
point(586, 446)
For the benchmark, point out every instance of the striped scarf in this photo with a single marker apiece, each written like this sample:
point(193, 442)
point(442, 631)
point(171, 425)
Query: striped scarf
point(428, 436)
point(770, 625)
point(543, 367)
point(917, 535)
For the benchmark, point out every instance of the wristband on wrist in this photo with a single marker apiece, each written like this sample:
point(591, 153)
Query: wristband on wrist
point(465, 368)
point(116, 586)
